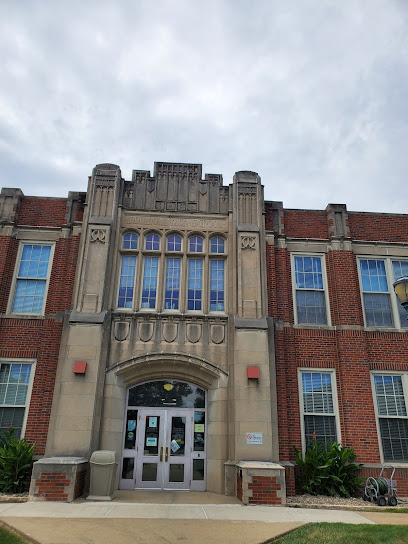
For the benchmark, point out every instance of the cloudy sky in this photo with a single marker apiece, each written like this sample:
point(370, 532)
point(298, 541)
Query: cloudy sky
point(311, 94)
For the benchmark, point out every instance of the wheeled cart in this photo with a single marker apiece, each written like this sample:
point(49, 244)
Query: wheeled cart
point(381, 489)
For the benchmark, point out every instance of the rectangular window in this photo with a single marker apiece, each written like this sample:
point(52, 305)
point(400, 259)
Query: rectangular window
point(14, 389)
point(216, 285)
point(127, 281)
point(376, 297)
point(381, 306)
point(318, 407)
point(309, 290)
point(31, 279)
point(195, 284)
point(172, 292)
point(390, 393)
point(149, 289)
point(400, 268)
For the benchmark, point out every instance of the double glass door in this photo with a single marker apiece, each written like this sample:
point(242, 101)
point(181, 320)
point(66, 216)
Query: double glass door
point(164, 449)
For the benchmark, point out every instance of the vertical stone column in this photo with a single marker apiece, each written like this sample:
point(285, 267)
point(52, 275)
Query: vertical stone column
point(77, 404)
point(250, 409)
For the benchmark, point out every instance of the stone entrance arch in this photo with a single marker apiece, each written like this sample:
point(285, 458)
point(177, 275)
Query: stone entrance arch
point(123, 375)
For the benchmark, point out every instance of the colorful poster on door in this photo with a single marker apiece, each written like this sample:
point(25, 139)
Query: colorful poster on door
point(152, 422)
point(150, 441)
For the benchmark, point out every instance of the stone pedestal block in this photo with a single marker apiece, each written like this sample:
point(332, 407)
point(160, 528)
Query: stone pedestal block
point(58, 479)
point(261, 483)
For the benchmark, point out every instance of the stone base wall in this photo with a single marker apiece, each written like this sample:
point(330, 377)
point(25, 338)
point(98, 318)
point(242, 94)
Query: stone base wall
point(261, 483)
point(58, 479)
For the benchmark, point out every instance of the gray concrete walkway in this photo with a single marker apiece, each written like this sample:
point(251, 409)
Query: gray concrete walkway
point(151, 523)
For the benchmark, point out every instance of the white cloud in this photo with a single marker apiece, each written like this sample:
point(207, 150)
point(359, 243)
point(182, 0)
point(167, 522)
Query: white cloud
point(309, 94)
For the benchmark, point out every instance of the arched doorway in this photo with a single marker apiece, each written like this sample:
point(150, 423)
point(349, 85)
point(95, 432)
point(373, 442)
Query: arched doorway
point(164, 437)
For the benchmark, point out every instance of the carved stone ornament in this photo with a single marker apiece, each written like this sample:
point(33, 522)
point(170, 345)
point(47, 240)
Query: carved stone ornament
point(151, 183)
point(193, 331)
point(146, 330)
point(217, 333)
point(98, 235)
point(248, 242)
point(170, 330)
point(203, 187)
point(121, 330)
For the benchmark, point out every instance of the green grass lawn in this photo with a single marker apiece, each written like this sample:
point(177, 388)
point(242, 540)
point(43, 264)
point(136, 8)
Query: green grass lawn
point(343, 533)
point(8, 537)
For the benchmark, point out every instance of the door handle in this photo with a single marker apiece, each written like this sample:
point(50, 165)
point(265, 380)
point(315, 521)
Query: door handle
point(161, 453)
point(167, 454)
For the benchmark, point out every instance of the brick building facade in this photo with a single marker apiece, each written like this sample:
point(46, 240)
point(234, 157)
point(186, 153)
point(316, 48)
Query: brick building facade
point(218, 330)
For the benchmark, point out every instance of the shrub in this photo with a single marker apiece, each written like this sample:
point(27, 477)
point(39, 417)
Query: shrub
point(328, 470)
point(16, 459)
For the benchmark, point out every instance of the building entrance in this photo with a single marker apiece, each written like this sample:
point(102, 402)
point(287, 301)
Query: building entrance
point(164, 446)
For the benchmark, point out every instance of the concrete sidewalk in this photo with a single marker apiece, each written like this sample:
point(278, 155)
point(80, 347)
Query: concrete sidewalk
point(150, 523)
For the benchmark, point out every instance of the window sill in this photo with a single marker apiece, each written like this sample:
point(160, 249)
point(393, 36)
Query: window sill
point(385, 329)
point(311, 327)
point(22, 316)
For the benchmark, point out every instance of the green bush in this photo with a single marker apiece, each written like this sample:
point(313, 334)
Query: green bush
point(16, 459)
point(328, 470)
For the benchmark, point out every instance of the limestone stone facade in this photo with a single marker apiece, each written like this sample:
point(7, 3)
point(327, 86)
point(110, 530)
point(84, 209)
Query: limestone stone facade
point(211, 344)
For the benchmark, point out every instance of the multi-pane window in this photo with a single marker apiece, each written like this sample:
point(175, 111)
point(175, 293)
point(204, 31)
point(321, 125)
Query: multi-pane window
point(216, 285)
point(130, 240)
point(309, 286)
point(172, 291)
point(400, 269)
point(31, 279)
point(377, 303)
point(195, 284)
point(217, 244)
point(14, 386)
point(390, 400)
point(170, 272)
point(381, 306)
point(152, 242)
point(195, 244)
point(318, 407)
point(173, 243)
point(127, 281)
point(149, 289)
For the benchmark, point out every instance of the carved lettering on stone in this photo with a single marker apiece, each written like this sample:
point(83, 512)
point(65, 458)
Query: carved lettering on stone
point(98, 235)
point(193, 331)
point(174, 222)
point(248, 242)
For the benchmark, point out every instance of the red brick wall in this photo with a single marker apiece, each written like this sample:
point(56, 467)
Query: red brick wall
point(51, 486)
point(378, 226)
point(47, 212)
point(349, 349)
point(39, 338)
point(306, 223)
point(239, 487)
point(264, 490)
